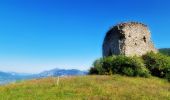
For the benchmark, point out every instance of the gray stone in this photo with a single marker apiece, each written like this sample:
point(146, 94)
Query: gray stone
point(131, 38)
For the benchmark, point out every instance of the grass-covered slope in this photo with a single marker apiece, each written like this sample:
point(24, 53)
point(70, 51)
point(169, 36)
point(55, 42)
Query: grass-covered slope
point(88, 87)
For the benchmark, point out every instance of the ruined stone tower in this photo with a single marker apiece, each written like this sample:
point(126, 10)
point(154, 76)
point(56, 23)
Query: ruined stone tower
point(131, 38)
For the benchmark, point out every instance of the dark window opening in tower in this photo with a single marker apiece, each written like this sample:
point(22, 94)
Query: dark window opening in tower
point(144, 39)
point(122, 36)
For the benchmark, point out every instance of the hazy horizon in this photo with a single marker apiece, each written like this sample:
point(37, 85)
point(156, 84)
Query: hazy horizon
point(38, 35)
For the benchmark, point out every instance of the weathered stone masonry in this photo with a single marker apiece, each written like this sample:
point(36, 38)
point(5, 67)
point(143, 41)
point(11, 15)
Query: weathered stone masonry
point(131, 38)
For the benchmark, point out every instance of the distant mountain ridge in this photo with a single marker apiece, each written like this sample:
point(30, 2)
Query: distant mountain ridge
point(8, 77)
point(165, 51)
point(61, 72)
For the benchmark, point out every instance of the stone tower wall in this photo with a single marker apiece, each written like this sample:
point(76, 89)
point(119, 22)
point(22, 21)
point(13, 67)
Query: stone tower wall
point(128, 39)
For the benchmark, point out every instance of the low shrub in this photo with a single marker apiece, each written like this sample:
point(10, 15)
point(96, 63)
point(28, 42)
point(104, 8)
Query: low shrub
point(108, 64)
point(93, 70)
point(168, 76)
point(129, 66)
point(155, 64)
point(102, 66)
point(158, 64)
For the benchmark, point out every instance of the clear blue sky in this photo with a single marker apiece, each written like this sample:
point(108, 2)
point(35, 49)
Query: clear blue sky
point(38, 35)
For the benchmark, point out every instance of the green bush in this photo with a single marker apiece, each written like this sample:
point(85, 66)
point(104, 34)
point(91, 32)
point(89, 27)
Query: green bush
point(107, 64)
point(155, 64)
point(93, 70)
point(102, 66)
point(168, 76)
point(130, 66)
point(158, 64)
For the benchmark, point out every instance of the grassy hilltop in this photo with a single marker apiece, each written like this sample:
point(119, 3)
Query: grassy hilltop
point(114, 87)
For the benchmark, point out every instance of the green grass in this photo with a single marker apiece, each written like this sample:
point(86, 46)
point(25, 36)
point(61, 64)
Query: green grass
point(114, 87)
